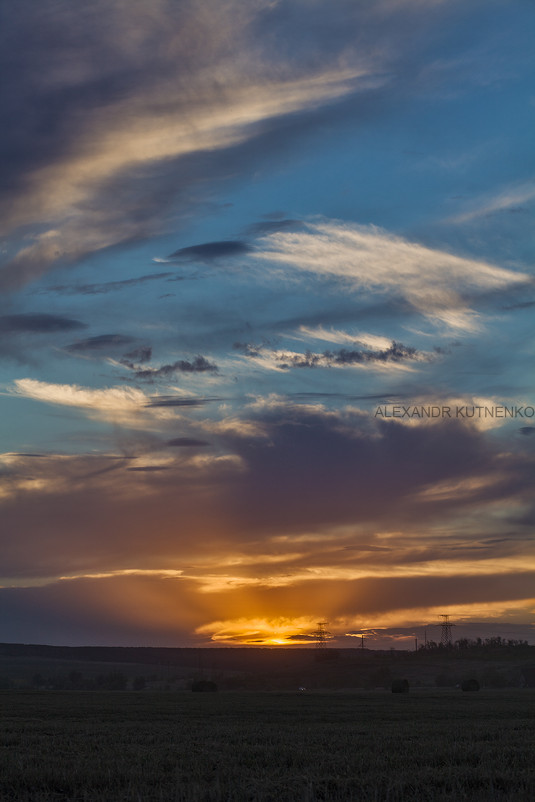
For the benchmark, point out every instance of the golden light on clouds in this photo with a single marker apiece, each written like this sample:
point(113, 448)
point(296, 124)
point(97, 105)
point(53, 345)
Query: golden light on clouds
point(238, 243)
point(261, 631)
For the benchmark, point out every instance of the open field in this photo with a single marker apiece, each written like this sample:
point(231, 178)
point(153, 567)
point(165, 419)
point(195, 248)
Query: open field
point(367, 745)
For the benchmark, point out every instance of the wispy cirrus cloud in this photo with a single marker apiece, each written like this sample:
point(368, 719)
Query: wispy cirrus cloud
point(510, 198)
point(367, 259)
point(341, 337)
point(110, 398)
point(125, 406)
point(132, 114)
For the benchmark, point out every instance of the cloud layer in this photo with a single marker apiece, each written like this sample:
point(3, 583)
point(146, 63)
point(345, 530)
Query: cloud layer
point(276, 228)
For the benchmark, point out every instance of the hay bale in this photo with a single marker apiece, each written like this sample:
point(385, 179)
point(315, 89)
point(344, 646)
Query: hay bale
point(400, 686)
point(470, 684)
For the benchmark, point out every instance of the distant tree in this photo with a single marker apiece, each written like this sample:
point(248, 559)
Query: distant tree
point(462, 643)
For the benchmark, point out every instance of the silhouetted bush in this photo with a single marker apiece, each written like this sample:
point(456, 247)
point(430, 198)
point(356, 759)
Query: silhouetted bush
point(470, 684)
point(139, 683)
point(400, 686)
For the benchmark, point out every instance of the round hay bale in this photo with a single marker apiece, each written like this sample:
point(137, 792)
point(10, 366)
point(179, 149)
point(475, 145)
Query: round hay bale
point(400, 686)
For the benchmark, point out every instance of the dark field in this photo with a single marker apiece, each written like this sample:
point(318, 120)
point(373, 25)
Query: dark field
point(282, 747)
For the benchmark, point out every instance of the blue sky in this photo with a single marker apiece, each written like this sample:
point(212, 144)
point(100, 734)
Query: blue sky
point(235, 240)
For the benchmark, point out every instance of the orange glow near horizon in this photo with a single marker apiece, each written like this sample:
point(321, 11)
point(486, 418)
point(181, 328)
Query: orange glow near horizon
point(260, 631)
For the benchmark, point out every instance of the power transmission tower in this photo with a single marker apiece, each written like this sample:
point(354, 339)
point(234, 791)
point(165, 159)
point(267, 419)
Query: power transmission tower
point(445, 631)
point(322, 635)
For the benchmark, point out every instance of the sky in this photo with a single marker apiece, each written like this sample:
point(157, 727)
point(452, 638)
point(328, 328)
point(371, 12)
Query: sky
point(266, 321)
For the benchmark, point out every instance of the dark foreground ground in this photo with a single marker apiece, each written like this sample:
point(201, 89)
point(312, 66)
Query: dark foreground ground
point(282, 747)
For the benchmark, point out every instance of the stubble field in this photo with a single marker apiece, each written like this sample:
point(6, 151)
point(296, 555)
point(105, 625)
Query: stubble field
point(276, 747)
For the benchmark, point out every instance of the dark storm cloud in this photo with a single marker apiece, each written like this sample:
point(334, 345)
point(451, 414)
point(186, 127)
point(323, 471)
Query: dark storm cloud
point(197, 365)
point(38, 324)
point(102, 342)
point(527, 430)
point(186, 442)
point(210, 251)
